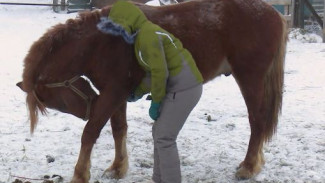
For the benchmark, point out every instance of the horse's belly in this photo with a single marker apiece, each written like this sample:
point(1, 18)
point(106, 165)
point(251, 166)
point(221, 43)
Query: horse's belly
point(215, 68)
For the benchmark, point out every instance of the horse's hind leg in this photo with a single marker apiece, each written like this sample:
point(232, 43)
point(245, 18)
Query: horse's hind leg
point(119, 127)
point(261, 84)
point(252, 88)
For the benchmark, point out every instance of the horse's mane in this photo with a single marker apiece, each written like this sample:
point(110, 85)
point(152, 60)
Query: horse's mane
point(53, 39)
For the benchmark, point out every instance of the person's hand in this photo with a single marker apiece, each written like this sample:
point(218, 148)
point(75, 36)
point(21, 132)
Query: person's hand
point(154, 110)
point(133, 97)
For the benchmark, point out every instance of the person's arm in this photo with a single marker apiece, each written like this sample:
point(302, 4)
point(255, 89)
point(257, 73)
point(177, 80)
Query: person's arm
point(154, 56)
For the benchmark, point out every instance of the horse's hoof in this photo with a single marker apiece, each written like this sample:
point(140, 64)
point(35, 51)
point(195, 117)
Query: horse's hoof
point(244, 173)
point(115, 173)
point(81, 178)
point(78, 180)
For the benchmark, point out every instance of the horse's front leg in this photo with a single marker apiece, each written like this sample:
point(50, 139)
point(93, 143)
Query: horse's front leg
point(90, 134)
point(119, 127)
point(82, 172)
point(99, 116)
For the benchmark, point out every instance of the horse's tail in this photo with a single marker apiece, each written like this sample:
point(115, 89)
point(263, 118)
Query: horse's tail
point(274, 86)
point(34, 105)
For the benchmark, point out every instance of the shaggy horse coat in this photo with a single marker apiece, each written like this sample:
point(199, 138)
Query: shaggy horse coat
point(246, 38)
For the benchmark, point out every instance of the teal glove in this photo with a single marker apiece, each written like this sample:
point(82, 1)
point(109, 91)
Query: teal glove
point(154, 110)
point(133, 97)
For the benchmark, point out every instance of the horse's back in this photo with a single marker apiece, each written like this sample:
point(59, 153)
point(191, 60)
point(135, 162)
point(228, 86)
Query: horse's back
point(219, 33)
point(218, 30)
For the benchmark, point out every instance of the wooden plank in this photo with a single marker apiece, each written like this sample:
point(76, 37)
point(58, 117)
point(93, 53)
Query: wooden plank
point(279, 2)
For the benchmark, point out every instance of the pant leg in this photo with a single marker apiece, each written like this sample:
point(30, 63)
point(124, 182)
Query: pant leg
point(174, 111)
point(156, 170)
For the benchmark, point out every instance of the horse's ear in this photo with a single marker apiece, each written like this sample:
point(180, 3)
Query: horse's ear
point(20, 85)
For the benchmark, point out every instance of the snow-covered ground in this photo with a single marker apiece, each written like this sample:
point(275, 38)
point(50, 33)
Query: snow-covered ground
point(209, 151)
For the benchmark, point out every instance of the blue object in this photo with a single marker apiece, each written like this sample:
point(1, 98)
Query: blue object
point(154, 110)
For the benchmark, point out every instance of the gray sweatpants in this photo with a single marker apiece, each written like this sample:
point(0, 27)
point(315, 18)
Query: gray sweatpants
point(174, 111)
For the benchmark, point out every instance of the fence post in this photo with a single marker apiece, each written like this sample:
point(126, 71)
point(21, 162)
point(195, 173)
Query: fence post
point(292, 14)
point(301, 14)
point(298, 14)
point(324, 23)
point(55, 8)
point(63, 5)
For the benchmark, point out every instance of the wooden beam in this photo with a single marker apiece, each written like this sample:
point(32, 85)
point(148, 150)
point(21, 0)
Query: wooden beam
point(279, 2)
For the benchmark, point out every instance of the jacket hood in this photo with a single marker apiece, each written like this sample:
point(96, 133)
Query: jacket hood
point(129, 16)
point(107, 26)
point(125, 19)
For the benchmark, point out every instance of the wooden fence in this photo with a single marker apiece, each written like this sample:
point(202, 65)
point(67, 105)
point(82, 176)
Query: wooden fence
point(288, 8)
point(294, 13)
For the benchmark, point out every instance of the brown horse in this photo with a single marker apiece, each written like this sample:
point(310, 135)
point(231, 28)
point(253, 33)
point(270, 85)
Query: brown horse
point(246, 38)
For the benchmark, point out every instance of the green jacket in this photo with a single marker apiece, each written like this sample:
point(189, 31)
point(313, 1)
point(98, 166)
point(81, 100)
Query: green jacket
point(169, 66)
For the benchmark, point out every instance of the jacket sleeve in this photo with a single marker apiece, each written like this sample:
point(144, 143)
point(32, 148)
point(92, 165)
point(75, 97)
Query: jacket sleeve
point(153, 49)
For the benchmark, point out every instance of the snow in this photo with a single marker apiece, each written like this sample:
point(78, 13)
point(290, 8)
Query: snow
point(209, 151)
point(154, 3)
